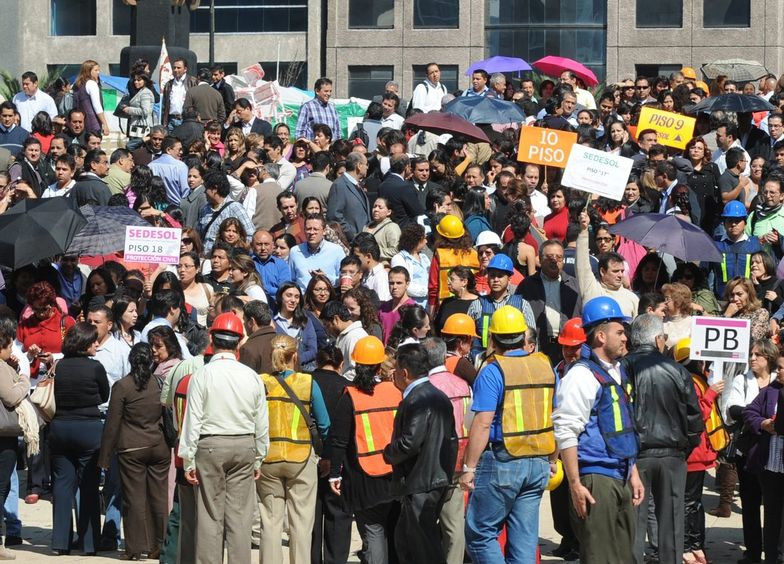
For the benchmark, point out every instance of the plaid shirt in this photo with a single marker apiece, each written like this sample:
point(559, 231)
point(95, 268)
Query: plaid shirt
point(314, 111)
point(234, 209)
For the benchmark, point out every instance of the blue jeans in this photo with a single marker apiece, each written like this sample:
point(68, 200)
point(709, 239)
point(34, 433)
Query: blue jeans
point(112, 497)
point(506, 491)
point(13, 525)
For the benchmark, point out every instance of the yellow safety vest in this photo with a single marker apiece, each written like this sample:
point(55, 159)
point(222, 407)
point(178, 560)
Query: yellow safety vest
point(447, 260)
point(746, 270)
point(718, 437)
point(288, 432)
point(527, 410)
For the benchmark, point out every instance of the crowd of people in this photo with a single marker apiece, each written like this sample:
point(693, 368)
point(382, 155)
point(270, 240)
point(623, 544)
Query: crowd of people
point(412, 332)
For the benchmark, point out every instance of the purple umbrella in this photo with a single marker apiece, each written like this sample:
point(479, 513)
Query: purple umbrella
point(668, 234)
point(499, 64)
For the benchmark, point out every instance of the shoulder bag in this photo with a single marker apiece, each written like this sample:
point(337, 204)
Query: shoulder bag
point(42, 396)
point(167, 421)
point(315, 436)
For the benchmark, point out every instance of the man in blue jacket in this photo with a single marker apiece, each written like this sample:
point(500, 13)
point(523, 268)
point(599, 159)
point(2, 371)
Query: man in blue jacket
point(736, 247)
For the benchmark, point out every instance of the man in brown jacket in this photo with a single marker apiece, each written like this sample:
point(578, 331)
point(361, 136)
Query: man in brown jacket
point(256, 353)
point(203, 98)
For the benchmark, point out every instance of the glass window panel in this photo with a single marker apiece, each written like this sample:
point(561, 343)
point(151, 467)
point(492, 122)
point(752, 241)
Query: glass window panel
point(292, 73)
point(436, 13)
point(368, 81)
point(449, 76)
point(121, 18)
point(506, 12)
point(662, 13)
point(726, 13)
point(378, 14)
point(252, 16)
point(72, 17)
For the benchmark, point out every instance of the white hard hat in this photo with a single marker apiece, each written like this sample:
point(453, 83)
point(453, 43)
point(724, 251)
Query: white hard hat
point(488, 238)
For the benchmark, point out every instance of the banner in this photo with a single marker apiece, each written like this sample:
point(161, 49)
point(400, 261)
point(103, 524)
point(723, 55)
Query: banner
point(597, 172)
point(159, 245)
point(673, 130)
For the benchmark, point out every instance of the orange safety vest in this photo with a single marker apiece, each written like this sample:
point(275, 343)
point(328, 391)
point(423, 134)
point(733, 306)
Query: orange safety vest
point(718, 438)
point(178, 407)
point(447, 260)
point(451, 362)
point(288, 432)
point(459, 393)
point(374, 418)
point(527, 411)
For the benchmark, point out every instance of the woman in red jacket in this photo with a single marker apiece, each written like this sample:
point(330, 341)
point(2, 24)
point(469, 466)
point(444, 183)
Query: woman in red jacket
point(701, 458)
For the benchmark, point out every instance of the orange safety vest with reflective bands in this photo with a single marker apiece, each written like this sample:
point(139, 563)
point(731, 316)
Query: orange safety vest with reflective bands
point(718, 438)
point(447, 260)
point(374, 422)
point(527, 410)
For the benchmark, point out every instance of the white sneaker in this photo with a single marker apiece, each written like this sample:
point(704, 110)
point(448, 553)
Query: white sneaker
point(6, 554)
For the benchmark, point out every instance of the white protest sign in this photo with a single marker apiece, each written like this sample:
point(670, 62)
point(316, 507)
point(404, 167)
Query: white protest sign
point(597, 172)
point(720, 339)
point(159, 245)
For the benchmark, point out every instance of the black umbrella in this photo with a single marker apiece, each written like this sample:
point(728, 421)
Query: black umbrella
point(481, 109)
point(36, 229)
point(732, 103)
point(105, 230)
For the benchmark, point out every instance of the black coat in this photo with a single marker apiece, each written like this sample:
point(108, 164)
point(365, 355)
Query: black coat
point(423, 450)
point(667, 414)
point(189, 131)
point(403, 199)
point(532, 289)
point(90, 189)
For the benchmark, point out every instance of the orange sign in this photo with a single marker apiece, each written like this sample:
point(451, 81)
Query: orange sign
point(549, 147)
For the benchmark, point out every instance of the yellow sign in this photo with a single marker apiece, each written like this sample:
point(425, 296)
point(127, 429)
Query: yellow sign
point(673, 130)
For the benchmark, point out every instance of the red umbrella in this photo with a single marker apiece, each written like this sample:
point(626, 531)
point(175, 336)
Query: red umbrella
point(443, 122)
point(554, 66)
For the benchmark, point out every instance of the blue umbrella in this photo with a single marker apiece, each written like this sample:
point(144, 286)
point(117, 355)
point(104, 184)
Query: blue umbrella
point(499, 64)
point(481, 109)
point(668, 234)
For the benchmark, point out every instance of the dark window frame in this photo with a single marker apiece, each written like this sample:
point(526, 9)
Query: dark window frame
point(352, 93)
point(370, 9)
point(419, 16)
point(660, 11)
point(85, 16)
point(723, 25)
point(297, 13)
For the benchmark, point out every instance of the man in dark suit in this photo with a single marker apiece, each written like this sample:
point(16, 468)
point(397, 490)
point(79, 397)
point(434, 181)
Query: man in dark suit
point(420, 169)
point(347, 202)
point(191, 129)
point(223, 88)
point(754, 140)
point(242, 116)
point(400, 193)
point(205, 100)
point(554, 297)
point(174, 92)
point(422, 453)
point(90, 188)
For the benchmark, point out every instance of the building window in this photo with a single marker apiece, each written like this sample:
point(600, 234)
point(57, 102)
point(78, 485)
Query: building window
point(377, 14)
point(436, 14)
point(532, 29)
point(726, 13)
point(252, 16)
point(121, 18)
point(448, 76)
point(72, 17)
point(366, 82)
point(291, 73)
point(662, 13)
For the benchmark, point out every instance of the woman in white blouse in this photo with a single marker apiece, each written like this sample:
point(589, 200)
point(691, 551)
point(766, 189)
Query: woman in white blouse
point(87, 97)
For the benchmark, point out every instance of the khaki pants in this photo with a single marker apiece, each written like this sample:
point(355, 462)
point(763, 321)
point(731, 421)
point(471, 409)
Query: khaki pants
point(293, 487)
point(224, 497)
point(452, 522)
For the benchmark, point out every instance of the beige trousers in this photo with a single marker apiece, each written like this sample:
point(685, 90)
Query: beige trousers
point(452, 523)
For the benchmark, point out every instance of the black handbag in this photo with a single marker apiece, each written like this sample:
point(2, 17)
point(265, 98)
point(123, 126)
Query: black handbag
point(9, 422)
point(315, 436)
point(167, 423)
point(121, 105)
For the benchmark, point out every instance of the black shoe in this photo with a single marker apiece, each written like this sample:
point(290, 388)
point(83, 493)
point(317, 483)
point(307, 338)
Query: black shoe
point(572, 555)
point(750, 560)
point(106, 545)
point(562, 550)
point(62, 552)
point(13, 541)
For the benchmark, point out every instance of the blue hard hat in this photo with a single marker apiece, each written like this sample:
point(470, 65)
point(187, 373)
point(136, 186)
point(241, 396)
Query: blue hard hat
point(734, 209)
point(501, 262)
point(601, 309)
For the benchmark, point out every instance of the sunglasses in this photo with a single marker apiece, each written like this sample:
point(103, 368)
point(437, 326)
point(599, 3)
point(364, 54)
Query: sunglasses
point(187, 241)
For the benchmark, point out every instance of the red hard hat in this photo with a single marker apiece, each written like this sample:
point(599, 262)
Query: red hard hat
point(572, 333)
point(228, 323)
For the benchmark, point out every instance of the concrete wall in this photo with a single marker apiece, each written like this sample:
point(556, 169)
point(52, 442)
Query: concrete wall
point(692, 45)
point(403, 46)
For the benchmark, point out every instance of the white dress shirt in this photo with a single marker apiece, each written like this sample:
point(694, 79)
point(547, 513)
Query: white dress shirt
point(28, 106)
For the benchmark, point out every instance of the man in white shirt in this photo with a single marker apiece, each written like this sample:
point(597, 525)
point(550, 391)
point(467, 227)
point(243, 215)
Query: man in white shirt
point(427, 95)
point(274, 147)
point(31, 100)
point(584, 98)
point(366, 249)
point(390, 103)
point(223, 442)
point(538, 200)
point(173, 98)
point(728, 136)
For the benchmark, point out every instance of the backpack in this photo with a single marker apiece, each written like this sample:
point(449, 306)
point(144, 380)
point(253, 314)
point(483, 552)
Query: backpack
point(360, 133)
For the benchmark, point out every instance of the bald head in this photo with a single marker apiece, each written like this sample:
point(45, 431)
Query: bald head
point(263, 244)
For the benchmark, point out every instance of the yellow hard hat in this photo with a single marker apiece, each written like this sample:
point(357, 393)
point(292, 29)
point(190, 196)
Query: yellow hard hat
point(556, 479)
point(460, 324)
point(703, 86)
point(682, 349)
point(508, 320)
point(689, 73)
point(450, 227)
point(369, 351)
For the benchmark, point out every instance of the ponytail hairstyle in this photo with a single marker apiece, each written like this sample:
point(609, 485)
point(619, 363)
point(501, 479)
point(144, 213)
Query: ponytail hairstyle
point(284, 349)
point(365, 377)
point(141, 361)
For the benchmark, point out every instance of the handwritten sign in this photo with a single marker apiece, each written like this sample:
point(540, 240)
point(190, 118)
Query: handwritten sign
point(597, 172)
point(673, 130)
point(159, 245)
point(548, 147)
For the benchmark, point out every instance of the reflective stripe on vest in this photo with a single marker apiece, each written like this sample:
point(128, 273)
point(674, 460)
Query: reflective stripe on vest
point(459, 393)
point(489, 307)
point(374, 418)
point(178, 410)
point(288, 433)
point(527, 410)
point(746, 270)
point(716, 432)
point(447, 260)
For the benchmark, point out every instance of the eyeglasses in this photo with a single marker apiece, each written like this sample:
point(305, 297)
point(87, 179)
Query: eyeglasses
point(186, 266)
point(187, 241)
point(556, 258)
point(639, 87)
point(603, 239)
point(487, 252)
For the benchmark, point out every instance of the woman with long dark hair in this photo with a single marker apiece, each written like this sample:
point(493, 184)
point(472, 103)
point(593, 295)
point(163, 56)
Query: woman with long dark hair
point(414, 325)
point(361, 307)
point(140, 106)
point(475, 209)
point(88, 99)
point(133, 430)
point(125, 313)
point(292, 320)
point(703, 181)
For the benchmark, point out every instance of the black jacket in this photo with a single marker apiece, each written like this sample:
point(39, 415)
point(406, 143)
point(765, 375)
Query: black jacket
point(532, 289)
point(189, 131)
point(666, 411)
point(403, 199)
point(90, 189)
point(424, 445)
